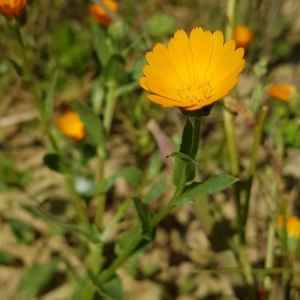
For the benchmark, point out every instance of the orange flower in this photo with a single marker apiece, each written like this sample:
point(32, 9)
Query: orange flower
point(243, 36)
point(71, 125)
point(11, 8)
point(192, 72)
point(292, 226)
point(282, 92)
point(100, 15)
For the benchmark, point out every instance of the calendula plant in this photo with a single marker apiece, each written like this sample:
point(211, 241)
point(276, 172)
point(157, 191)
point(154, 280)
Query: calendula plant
point(128, 75)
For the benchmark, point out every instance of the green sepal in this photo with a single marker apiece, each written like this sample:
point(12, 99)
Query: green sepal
point(199, 113)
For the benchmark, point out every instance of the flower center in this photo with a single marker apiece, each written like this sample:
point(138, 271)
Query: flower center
point(195, 91)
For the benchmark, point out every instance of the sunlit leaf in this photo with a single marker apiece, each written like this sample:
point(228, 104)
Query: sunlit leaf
point(212, 185)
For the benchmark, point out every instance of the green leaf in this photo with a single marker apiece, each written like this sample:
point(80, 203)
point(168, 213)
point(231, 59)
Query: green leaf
point(130, 174)
point(63, 39)
point(126, 240)
point(183, 163)
point(49, 100)
point(144, 217)
point(103, 46)
point(56, 163)
point(17, 67)
point(36, 278)
point(113, 289)
point(23, 232)
point(212, 185)
point(92, 123)
point(115, 70)
point(9, 260)
point(156, 191)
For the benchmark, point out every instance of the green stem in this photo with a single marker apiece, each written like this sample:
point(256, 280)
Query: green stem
point(110, 106)
point(79, 204)
point(228, 124)
point(229, 132)
point(230, 12)
point(115, 218)
point(34, 91)
point(80, 208)
point(101, 198)
point(253, 160)
point(28, 75)
point(108, 116)
point(233, 158)
point(109, 272)
point(195, 138)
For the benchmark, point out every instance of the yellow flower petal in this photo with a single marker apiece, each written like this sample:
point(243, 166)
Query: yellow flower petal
point(218, 41)
point(142, 82)
point(203, 55)
point(224, 66)
point(179, 59)
point(150, 73)
point(161, 67)
point(161, 51)
point(192, 72)
point(162, 90)
point(165, 101)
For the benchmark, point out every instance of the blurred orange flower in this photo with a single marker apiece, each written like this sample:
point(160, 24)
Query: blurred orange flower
point(193, 71)
point(282, 92)
point(71, 125)
point(11, 8)
point(292, 226)
point(100, 15)
point(243, 36)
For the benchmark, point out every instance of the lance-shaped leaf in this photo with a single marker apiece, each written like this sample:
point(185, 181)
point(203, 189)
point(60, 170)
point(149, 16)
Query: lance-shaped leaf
point(212, 185)
point(130, 174)
point(91, 122)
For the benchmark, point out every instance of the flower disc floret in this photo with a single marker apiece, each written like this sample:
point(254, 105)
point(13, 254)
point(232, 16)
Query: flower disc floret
point(193, 71)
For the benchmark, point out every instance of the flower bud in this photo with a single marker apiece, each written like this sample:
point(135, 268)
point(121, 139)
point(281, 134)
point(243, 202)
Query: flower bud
point(71, 126)
point(99, 13)
point(243, 36)
point(12, 8)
